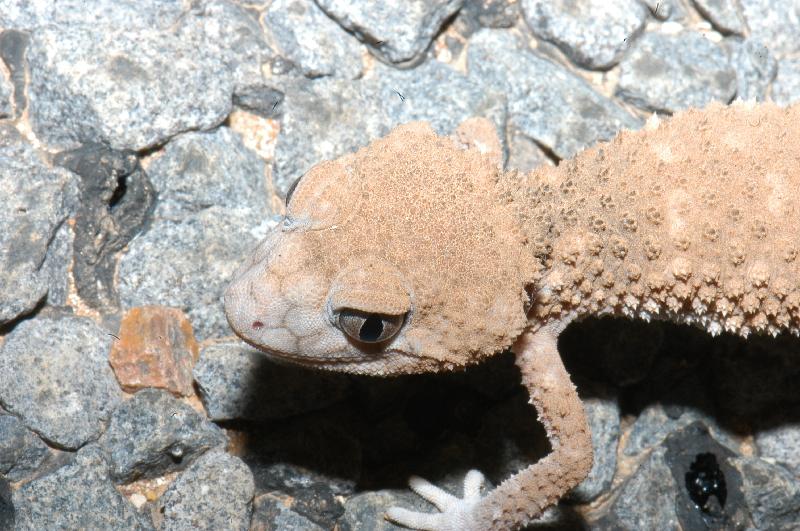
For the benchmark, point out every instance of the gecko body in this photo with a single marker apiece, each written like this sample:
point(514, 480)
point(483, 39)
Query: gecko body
point(418, 254)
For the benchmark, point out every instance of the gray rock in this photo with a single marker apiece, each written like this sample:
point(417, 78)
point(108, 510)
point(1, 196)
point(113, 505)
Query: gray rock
point(22, 14)
point(34, 211)
point(593, 33)
point(154, 433)
point(396, 31)
point(724, 15)
point(6, 91)
point(492, 13)
point(200, 170)
point(261, 100)
point(310, 39)
point(664, 9)
point(6, 507)
point(779, 442)
point(786, 89)
point(604, 421)
point(54, 375)
point(77, 496)
point(667, 73)
point(116, 201)
point(231, 32)
point(545, 101)
point(774, 22)
point(270, 512)
point(13, 45)
point(366, 511)
point(326, 118)
point(21, 452)
point(771, 492)
point(237, 382)
point(216, 492)
point(135, 89)
point(653, 425)
point(187, 264)
point(756, 68)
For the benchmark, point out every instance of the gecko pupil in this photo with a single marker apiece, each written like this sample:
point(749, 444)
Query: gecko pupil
point(372, 328)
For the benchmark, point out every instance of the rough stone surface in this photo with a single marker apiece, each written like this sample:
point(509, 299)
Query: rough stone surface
point(154, 433)
point(310, 39)
point(545, 102)
point(6, 91)
point(156, 348)
point(13, 45)
point(396, 31)
point(604, 423)
point(492, 13)
point(135, 88)
point(54, 374)
point(671, 72)
point(663, 9)
point(771, 492)
point(327, 118)
point(775, 23)
point(523, 153)
point(593, 33)
point(724, 15)
point(778, 442)
point(116, 201)
point(6, 507)
point(34, 211)
point(786, 89)
point(365, 511)
point(756, 68)
point(21, 452)
point(187, 264)
point(200, 170)
point(77, 496)
point(237, 382)
point(270, 513)
point(216, 492)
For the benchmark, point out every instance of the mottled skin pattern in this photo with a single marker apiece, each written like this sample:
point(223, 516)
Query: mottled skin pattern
point(417, 254)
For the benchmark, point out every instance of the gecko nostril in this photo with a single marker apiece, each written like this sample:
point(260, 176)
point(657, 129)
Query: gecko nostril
point(257, 325)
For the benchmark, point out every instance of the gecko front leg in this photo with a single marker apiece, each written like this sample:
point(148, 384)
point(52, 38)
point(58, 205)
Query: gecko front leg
point(525, 495)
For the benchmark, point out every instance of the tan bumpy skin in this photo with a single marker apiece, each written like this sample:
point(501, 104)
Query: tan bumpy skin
point(418, 254)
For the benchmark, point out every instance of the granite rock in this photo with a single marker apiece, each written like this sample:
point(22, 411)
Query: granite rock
point(724, 15)
point(396, 31)
point(775, 23)
point(21, 451)
point(33, 257)
point(311, 40)
point(667, 73)
point(136, 87)
point(786, 89)
point(187, 264)
point(271, 513)
point(204, 169)
point(592, 33)
point(546, 102)
point(756, 68)
point(216, 492)
point(79, 495)
point(154, 433)
point(54, 375)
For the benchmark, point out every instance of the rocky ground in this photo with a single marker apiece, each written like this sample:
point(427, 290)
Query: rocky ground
point(144, 149)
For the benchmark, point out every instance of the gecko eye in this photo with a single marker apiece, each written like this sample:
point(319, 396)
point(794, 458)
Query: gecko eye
point(369, 327)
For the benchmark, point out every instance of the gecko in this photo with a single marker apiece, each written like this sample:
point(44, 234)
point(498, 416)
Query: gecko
point(418, 253)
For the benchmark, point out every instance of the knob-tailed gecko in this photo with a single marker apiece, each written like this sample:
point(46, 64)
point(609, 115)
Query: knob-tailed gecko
point(417, 253)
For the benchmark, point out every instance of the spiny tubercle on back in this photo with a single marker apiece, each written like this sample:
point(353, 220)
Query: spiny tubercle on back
point(696, 219)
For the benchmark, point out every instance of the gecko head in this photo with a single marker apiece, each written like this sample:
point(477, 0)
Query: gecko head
point(399, 258)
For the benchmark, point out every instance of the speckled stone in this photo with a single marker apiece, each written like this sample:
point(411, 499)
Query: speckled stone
point(593, 33)
point(21, 451)
point(154, 433)
point(310, 39)
point(54, 374)
point(237, 382)
point(77, 496)
point(672, 72)
point(216, 492)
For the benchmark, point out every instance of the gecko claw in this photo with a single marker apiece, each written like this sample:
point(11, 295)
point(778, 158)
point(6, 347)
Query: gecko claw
point(455, 513)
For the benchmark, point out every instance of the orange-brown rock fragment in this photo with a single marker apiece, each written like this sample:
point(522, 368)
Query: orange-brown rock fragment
point(156, 348)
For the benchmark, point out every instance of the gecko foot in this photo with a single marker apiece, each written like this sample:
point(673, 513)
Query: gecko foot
point(456, 513)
